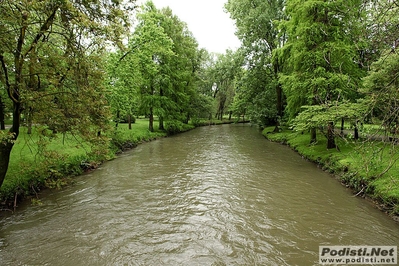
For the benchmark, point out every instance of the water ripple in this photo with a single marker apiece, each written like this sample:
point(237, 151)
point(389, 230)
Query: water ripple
point(213, 196)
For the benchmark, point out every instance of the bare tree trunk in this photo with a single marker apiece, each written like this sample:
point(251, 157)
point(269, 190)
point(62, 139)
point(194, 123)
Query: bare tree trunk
point(129, 119)
point(356, 132)
point(330, 136)
point(118, 116)
point(187, 119)
point(313, 136)
point(5, 149)
point(161, 124)
point(2, 123)
point(279, 106)
point(29, 120)
point(151, 121)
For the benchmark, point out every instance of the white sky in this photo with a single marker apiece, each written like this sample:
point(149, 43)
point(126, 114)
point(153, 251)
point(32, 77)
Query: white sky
point(206, 19)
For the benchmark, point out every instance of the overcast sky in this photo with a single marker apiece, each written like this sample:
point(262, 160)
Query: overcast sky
point(206, 19)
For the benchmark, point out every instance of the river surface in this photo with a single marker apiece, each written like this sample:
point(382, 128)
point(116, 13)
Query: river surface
point(220, 195)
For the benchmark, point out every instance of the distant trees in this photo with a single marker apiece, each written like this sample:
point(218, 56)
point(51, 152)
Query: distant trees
point(259, 88)
point(162, 65)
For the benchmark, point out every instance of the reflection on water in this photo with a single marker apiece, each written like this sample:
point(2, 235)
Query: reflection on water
point(217, 195)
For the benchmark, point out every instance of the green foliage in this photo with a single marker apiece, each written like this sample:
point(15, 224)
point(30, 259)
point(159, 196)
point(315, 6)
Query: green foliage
point(173, 127)
point(321, 54)
point(259, 94)
point(52, 68)
point(318, 116)
point(382, 89)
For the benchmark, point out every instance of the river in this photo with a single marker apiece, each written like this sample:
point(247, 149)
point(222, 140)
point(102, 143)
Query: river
point(219, 195)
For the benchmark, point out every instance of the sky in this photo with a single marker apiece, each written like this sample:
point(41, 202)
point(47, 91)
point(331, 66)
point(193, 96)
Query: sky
point(206, 19)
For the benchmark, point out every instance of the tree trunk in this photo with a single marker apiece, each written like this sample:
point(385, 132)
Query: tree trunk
point(277, 127)
point(230, 113)
point(342, 126)
point(29, 120)
point(151, 121)
point(221, 107)
point(2, 123)
point(129, 120)
point(118, 116)
point(187, 119)
point(356, 131)
point(313, 137)
point(330, 136)
point(5, 149)
point(161, 125)
point(279, 105)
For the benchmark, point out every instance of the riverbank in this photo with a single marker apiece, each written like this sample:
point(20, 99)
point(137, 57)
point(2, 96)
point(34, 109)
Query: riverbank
point(369, 168)
point(39, 162)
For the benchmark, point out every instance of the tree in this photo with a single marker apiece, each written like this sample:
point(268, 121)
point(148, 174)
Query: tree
point(260, 37)
point(50, 62)
point(381, 84)
point(150, 44)
point(178, 70)
point(123, 84)
point(321, 57)
point(224, 72)
point(382, 91)
point(201, 104)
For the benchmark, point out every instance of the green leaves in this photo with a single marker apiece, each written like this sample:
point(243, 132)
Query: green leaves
point(318, 116)
point(51, 63)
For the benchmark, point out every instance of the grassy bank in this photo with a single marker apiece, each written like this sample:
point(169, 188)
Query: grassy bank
point(370, 168)
point(51, 160)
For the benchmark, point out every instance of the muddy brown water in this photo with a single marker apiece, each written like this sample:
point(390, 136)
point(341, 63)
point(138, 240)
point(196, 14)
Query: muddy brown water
point(220, 195)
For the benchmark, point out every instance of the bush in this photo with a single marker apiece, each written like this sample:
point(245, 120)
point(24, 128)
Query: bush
point(173, 127)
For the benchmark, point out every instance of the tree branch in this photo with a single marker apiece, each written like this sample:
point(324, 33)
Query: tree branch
point(4, 67)
point(46, 25)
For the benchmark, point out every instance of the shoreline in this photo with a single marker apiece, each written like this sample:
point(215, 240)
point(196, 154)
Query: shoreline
point(10, 204)
point(339, 176)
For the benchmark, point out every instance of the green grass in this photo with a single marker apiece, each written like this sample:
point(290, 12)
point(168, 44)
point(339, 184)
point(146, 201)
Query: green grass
point(34, 159)
point(371, 168)
point(49, 160)
point(43, 159)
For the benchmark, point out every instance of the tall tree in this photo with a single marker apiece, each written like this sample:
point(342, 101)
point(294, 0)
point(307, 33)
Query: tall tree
point(224, 76)
point(50, 61)
point(179, 69)
point(321, 58)
point(123, 83)
point(256, 28)
point(150, 44)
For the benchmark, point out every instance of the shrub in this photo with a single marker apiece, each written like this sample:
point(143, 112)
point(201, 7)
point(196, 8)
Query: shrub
point(173, 127)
